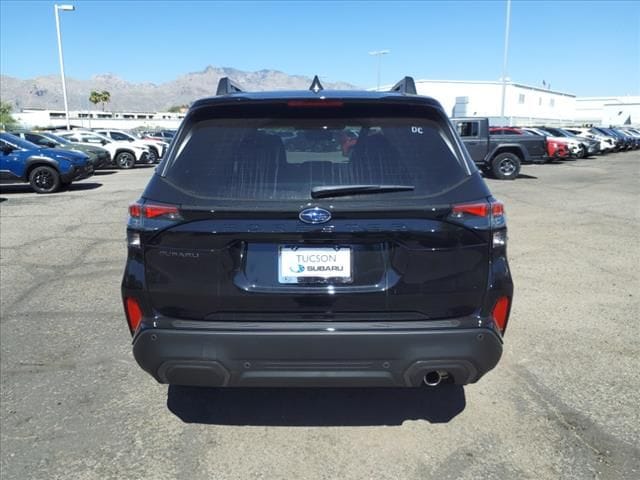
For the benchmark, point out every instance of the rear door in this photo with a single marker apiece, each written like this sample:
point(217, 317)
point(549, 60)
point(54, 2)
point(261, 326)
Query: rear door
point(471, 134)
point(248, 240)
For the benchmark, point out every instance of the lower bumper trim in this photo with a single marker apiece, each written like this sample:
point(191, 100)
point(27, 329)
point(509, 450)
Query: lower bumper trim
point(318, 359)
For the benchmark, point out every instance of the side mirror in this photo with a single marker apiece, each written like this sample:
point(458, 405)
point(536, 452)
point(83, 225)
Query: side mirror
point(103, 142)
point(51, 144)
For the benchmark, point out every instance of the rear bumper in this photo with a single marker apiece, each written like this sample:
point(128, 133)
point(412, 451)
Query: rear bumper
point(265, 356)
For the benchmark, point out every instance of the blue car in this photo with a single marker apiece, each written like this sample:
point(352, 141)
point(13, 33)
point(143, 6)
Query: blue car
point(45, 169)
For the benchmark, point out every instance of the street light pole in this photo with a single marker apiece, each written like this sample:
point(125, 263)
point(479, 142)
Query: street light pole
point(379, 53)
point(504, 61)
point(66, 8)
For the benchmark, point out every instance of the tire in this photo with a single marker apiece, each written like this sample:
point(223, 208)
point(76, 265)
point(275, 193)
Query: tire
point(505, 166)
point(125, 160)
point(152, 157)
point(44, 179)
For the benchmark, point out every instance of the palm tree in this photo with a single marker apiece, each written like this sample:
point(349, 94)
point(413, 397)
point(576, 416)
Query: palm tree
point(105, 97)
point(95, 97)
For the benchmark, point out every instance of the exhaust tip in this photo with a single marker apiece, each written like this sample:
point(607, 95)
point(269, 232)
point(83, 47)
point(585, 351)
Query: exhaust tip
point(432, 379)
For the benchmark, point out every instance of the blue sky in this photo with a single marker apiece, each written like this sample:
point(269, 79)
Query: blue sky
point(580, 47)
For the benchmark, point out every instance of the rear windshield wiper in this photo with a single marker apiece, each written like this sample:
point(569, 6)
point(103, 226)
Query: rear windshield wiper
point(325, 191)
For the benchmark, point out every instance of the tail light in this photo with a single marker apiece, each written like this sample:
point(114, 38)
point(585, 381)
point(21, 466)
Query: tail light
point(133, 312)
point(154, 210)
point(492, 213)
point(140, 213)
point(483, 215)
point(500, 313)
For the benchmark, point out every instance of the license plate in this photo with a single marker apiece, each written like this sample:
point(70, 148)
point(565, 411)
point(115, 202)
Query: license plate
point(314, 265)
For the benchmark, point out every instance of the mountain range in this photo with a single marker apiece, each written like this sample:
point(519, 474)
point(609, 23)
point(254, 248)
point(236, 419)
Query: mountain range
point(46, 91)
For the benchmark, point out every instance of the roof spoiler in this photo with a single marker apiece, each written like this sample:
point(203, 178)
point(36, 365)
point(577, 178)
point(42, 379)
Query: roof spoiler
point(406, 85)
point(227, 86)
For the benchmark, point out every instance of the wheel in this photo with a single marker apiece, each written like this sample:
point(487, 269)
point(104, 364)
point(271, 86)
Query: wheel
point(125, 160)
point(152, 157)
point(44, 179)
point(505, 166)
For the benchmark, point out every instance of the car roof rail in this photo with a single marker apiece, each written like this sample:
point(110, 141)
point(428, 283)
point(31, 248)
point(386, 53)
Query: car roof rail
point(406, 85)
point(227, 86)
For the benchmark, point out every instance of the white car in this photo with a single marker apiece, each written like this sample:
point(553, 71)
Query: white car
point(156, 147)
point(607, 144)
point(123, 154)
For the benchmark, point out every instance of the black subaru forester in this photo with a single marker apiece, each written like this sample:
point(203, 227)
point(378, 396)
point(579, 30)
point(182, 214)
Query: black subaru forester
point(317, 238)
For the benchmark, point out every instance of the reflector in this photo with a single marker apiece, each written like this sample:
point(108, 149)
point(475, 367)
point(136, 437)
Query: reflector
point(500, 311)
point(134, 313)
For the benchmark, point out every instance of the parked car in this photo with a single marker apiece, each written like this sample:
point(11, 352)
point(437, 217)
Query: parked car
point(591, 146)
point(99, 156)
point(607, 142)
point(621, 143)
point(156, 147)
point(557, 148)
point(124, 154)
point(162, 135)
point(45, 169)
point(499, 155)
point(635, 133)
point(577, 148)
point(254, 264)
point(630, 141)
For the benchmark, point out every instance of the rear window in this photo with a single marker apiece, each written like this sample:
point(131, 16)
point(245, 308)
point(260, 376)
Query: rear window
point(282, 159)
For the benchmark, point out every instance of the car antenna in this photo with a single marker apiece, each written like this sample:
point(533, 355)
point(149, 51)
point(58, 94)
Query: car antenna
point(406, 85)
point(227, 86)
point(316, 86)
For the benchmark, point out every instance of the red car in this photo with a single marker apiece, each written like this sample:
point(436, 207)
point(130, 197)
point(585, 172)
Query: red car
point(557, 148)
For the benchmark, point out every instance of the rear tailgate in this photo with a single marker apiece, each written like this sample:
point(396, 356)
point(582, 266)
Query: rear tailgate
point(242, 173)
point(229, 269)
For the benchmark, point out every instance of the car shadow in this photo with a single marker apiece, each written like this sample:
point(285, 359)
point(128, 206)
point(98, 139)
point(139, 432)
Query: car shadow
point(315, 406)
point(25, 188)
point(104, 172)
point(83, 186)
point(524, 176)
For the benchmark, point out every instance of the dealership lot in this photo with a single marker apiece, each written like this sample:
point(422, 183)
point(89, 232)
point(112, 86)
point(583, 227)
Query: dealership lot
point(563, 402)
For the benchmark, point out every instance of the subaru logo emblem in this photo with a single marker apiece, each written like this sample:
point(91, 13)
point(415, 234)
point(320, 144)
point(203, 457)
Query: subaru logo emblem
point(315, 215)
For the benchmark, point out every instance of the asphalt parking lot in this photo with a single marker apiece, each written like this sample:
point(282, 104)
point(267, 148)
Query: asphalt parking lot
point(562, 403)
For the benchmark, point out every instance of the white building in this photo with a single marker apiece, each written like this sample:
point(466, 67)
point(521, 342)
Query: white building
point(527, 105)
point(32, 117)
point(608, 111)
point(524, 105)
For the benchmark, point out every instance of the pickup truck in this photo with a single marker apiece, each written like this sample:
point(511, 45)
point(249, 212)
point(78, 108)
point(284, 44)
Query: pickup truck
point(499, 155)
